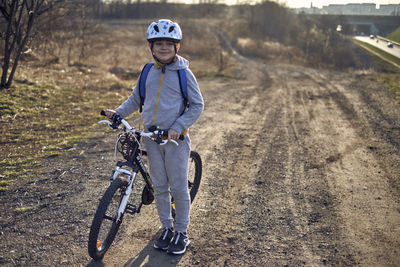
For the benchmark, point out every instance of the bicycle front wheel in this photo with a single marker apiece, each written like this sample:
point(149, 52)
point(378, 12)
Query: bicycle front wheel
point(105, 224)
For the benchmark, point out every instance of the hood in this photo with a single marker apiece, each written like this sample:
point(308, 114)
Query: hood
point(181, 63)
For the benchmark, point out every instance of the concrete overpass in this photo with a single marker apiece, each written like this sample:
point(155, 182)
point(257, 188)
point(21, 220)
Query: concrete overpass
point(357, 24)
point(359, 27)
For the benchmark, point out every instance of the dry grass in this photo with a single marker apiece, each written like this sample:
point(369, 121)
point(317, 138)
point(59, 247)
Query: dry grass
point(269, 50)
point(41, 119)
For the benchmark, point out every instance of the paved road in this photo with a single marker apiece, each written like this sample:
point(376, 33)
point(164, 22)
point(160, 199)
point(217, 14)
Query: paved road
point(395, 51)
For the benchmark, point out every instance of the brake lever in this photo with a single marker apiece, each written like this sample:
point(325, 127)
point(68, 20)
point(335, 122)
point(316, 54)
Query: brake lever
point(164, 142)
point(173, 141)
point(109, 124)
point(160, 141)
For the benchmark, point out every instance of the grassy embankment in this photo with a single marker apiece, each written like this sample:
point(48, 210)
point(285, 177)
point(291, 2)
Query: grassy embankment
point(395, 36)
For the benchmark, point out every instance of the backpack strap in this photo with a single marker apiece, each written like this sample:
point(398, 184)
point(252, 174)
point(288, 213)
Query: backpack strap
point(142, 83)
point(183, 85)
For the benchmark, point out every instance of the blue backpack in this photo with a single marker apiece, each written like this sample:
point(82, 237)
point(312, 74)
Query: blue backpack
point(142, 84)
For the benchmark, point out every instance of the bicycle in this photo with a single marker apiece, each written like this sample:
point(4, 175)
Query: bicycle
point(130, 185)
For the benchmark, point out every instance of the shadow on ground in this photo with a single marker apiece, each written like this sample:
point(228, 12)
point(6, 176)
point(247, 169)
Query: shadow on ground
point(149, 257)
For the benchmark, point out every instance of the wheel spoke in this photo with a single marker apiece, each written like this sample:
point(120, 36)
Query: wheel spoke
point(108, 217)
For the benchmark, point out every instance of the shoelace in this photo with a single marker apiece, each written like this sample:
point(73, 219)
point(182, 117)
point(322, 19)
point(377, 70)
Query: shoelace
point(178, 234)
point(166, 233)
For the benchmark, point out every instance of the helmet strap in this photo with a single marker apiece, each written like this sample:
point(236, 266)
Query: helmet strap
point(163, 65)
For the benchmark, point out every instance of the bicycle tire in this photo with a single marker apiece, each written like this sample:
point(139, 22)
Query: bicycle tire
point(97, 246)
point(194, 179)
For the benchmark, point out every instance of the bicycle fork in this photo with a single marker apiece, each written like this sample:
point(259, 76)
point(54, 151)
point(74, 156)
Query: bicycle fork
point(124, 201)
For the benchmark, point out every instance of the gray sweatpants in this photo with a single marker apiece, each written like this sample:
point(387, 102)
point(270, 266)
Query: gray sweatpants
point(169, 171)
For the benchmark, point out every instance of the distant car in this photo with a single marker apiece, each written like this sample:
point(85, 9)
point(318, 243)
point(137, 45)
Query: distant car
point(371, 36)
point(390, 44)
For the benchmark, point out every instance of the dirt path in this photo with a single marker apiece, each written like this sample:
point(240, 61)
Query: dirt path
point(301, 167)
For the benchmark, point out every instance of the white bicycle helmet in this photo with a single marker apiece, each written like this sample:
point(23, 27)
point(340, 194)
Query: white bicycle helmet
point(164, 29)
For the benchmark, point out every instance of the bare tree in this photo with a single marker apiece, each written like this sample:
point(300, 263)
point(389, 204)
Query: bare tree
point(19, 17)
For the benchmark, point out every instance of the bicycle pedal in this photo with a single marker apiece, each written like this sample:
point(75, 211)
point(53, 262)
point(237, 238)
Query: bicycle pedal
point(131, 209)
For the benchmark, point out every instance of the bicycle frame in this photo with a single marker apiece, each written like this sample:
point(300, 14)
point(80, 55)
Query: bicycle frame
point(136, 165)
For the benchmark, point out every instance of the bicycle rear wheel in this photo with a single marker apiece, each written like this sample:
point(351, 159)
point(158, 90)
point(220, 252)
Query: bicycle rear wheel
point(195, 172)
point(105, 225)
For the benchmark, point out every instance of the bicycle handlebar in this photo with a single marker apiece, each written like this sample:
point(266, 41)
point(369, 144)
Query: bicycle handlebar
point(154, 134)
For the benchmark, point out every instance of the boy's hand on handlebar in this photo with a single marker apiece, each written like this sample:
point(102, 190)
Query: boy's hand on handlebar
point(173, 135)
point(109, 113)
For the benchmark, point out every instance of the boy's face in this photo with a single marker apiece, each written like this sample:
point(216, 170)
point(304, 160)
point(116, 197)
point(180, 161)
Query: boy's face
point(164, 50)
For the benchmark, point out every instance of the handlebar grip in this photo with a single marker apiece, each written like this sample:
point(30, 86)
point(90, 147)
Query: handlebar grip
point(117, 120)
point(165, 133)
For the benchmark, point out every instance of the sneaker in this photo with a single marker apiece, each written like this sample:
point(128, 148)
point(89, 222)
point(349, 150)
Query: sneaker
point(164, 239)
point(179, 244)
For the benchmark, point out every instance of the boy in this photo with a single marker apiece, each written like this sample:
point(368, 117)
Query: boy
point(164, 107)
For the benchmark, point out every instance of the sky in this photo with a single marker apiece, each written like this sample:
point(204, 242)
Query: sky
point(320, 3)
point(305, 3)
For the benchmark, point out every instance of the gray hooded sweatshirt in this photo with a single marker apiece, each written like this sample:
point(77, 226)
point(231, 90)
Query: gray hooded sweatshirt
point(163, 105)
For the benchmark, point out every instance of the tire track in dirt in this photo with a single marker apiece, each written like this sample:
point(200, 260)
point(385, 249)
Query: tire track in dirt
point(229, 166)
point(364, 201)
point(293, 226)
point(270, 215)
